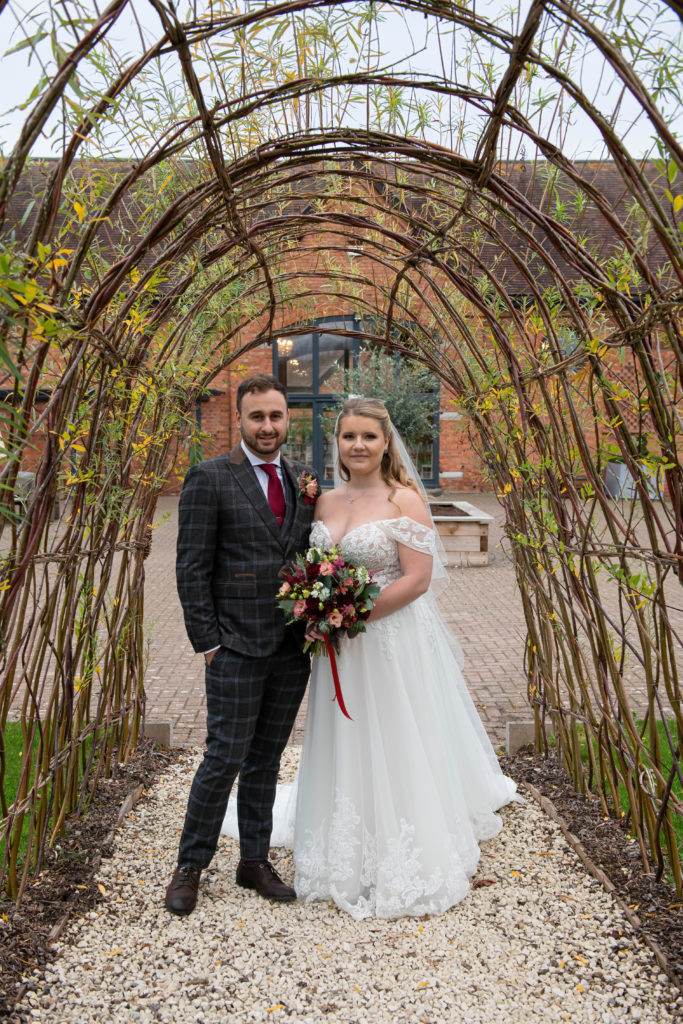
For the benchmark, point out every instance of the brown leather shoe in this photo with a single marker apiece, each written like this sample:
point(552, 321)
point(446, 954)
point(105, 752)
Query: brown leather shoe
point(181, 894)
point(263, 877)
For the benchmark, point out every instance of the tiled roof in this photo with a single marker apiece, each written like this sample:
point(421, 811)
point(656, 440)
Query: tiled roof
point(299, 186)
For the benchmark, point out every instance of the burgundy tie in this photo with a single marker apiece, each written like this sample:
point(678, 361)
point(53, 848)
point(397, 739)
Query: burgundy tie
point(276, 496)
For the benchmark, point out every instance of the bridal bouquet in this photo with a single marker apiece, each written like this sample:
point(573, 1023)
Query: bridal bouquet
point(331, 593)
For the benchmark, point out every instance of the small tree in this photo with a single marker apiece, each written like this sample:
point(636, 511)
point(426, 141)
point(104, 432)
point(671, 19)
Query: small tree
point(405, 386)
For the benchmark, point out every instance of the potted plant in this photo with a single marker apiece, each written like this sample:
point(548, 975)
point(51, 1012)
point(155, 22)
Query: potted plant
point(619, 480)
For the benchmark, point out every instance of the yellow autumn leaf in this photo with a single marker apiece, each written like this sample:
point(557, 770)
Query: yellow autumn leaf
point(581, 959)
point(114, 952)
point(165, 182)
point(278, 1006)
point(80, 211)
point(101, 888)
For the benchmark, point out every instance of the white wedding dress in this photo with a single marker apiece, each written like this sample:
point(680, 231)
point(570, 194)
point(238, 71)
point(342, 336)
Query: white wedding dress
point(388, 809)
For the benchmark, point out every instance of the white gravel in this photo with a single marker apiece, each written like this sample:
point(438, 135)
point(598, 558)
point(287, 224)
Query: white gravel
point(543, 943)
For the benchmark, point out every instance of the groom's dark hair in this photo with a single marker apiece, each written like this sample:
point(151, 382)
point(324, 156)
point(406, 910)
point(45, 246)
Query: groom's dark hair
point(256, 385)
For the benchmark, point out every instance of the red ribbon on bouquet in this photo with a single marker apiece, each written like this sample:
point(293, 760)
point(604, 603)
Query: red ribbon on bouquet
point(335, 676)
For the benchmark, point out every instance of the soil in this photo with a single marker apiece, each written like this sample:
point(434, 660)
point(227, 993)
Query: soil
point(66, 885)
point(447, 509)
point(608, 844)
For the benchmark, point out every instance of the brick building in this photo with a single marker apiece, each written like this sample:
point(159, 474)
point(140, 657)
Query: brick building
point(311, 342)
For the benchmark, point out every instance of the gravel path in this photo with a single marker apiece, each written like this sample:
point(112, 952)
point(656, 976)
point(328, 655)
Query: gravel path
point(537, 941)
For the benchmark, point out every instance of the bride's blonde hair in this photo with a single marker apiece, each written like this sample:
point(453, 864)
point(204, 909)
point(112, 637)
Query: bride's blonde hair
point(392, 469)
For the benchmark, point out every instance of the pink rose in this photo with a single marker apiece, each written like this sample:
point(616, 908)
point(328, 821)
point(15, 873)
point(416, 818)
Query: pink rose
point(326, 569)
point(335, 618)
point(285, 589)
point(348, 611)
point(299, 609)
point(312, 489)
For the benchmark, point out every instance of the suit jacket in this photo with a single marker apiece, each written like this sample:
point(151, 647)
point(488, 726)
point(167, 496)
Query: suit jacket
point(230, 550)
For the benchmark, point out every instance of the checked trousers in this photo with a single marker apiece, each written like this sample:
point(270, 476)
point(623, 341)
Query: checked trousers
point(251, 705)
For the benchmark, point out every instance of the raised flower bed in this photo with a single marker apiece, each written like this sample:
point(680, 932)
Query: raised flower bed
point(464, 530)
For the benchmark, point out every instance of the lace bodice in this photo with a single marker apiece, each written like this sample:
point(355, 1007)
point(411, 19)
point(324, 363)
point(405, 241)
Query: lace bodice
point(375, 544)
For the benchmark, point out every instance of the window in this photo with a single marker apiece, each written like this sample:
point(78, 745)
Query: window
point(307, 359)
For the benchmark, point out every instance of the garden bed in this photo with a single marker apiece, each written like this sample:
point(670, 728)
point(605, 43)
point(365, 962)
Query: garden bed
point(464, 530)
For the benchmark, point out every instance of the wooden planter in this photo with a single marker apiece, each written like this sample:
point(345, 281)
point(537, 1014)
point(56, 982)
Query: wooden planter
point(464, 530)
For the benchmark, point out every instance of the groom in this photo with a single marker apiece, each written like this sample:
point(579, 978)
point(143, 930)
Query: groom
point(241, 517)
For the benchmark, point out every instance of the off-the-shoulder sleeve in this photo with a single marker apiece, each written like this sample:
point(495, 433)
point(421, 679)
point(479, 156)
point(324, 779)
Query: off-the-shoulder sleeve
point(414, 535)
point(420, 538)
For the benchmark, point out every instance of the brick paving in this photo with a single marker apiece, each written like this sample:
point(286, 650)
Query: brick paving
point(481, 605)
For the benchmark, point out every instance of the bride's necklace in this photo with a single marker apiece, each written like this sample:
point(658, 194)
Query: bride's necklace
point(362, 494)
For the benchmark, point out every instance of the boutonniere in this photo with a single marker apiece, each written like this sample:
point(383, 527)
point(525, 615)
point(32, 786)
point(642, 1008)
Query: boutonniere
point(309, 488)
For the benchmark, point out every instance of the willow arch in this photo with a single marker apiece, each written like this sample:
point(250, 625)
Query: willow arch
point(129, 283)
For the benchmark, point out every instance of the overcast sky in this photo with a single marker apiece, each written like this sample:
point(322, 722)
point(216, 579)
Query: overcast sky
point(399, 38)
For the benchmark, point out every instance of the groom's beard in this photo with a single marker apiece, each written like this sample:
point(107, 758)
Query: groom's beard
point(264, 446)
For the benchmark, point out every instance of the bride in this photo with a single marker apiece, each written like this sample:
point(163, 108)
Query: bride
point(389, 806)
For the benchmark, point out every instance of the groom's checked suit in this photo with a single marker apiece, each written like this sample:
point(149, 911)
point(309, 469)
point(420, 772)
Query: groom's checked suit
point(230, 550)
